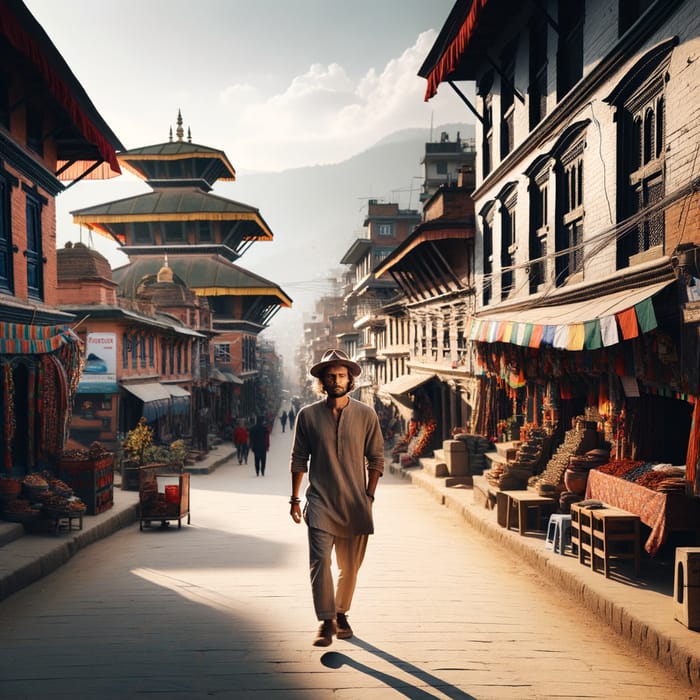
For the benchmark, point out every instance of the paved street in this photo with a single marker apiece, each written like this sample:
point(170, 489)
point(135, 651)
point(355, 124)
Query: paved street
point(222, 608)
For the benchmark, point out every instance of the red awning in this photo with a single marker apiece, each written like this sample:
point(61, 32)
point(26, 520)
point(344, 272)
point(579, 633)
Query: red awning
point(453, 53)
point(56, 77)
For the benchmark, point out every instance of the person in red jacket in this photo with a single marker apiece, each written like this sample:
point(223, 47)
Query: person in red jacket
point(240, 440)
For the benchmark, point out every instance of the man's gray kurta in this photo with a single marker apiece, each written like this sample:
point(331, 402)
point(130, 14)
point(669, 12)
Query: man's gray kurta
point(336, 497)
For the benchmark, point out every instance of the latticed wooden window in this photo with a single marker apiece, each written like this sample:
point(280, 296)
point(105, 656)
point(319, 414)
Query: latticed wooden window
point(6, 256)
point(644, 169)
point(571, 17)
point(488, 259)
point(487, 141)
point(539, 212)
point(538, 71)
point(640, 101)
point(569, 253)
point(507, 101)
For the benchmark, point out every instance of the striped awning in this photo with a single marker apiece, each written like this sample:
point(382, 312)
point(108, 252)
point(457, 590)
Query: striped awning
point(26, 339)
point(584, 325)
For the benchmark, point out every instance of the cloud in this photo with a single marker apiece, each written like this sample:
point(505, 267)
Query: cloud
point(323, 116)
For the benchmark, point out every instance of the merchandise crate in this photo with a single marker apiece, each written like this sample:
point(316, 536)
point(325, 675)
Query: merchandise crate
point(91, 480)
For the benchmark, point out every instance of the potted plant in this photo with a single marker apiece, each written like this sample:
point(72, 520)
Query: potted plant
point(137, 450)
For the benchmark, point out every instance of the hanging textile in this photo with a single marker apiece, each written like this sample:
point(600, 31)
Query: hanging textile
point(587, 324)
point(52, 382)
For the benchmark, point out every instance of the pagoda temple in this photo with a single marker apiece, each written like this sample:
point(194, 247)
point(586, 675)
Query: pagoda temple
point(200, 236)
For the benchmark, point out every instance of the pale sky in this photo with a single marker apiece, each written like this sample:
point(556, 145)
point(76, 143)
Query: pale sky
point(276, 84)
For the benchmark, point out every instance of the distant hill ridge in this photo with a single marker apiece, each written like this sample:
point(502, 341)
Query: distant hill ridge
point(316, 212)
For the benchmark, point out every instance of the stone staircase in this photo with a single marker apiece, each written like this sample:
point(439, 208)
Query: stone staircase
point(444, 464)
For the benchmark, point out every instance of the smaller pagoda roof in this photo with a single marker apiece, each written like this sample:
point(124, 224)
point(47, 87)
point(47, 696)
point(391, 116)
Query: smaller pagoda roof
point(197, 163)
point(214, 163)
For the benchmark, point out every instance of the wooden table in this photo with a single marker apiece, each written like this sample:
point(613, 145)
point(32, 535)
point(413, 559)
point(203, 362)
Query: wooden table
point(517, 504)
point(662, 512)
point(605, 533)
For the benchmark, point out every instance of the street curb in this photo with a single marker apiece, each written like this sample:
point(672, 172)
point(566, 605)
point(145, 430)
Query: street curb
point(61, 551)
point(670, 653)
point(209, 468)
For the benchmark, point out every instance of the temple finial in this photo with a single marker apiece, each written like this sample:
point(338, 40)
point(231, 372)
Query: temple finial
point(171, 133)
point(189, 135)
point(179, 132)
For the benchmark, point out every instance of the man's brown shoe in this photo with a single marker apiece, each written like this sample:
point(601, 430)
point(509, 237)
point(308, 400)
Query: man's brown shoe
point(343, 626)
point(324, 636)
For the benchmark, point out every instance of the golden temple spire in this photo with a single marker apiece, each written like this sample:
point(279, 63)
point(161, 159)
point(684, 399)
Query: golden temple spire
point(179, 131)
point(165, 274)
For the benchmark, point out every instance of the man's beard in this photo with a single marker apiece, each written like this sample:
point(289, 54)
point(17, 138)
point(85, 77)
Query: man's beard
point(337, 391)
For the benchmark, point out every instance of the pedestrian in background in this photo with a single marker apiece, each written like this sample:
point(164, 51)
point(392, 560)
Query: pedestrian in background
point(283, 420)
point(334, 439)
point(240, 440)
point(259, 441)
point(291, 417)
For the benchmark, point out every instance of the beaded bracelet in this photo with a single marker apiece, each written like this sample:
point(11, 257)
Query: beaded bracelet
point(293, 500)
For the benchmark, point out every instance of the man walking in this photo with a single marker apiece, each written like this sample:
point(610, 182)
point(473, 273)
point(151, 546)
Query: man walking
point(334, 439)
point(259, 439)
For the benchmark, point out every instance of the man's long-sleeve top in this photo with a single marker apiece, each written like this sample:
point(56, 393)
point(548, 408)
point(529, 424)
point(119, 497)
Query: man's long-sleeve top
point(336, 455)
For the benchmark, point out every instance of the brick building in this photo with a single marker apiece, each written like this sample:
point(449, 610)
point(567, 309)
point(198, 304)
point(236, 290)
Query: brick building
point(586, 198)
point(51, 136)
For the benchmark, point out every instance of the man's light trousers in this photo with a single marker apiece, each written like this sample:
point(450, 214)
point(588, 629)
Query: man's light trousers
point(349, 553)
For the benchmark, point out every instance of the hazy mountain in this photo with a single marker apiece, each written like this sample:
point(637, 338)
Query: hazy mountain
point(316, 212)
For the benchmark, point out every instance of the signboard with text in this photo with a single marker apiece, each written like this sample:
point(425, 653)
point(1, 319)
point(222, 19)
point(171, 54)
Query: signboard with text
point(99, 375)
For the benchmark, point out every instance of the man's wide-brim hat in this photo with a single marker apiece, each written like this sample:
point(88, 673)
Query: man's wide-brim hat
point(335, 357)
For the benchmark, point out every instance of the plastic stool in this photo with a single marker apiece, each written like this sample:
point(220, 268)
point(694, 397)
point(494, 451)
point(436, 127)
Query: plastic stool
point(558, 532)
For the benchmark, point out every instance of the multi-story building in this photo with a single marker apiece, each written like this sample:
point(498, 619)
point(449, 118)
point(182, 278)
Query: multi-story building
point(50, 134)
point(386, 226)
point(434, 268)
point(587, 210)
point(443, 161)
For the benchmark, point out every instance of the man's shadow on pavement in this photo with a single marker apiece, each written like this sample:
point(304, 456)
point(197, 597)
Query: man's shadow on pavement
point(334, 659)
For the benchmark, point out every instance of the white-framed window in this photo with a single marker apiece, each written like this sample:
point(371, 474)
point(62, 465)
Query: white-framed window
point(222, 353)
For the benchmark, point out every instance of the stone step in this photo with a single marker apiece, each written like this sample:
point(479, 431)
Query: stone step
point(503, 447)
point(433, 466)
point(9, 532)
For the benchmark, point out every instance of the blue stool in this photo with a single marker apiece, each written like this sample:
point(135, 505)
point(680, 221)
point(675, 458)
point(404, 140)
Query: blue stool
point(558, 533)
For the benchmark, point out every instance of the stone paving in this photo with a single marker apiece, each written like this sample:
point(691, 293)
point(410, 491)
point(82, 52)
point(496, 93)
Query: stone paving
point(221, 608)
